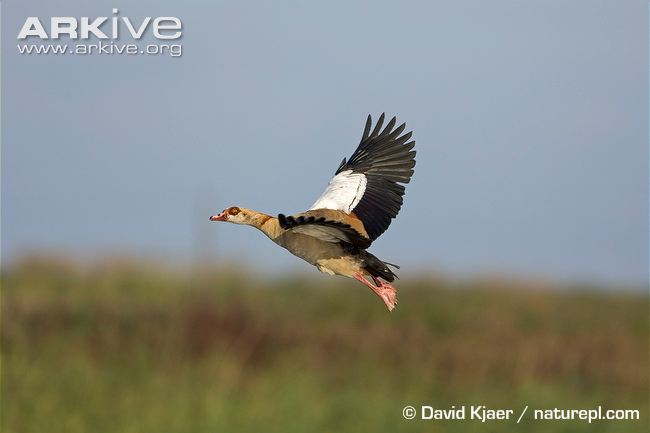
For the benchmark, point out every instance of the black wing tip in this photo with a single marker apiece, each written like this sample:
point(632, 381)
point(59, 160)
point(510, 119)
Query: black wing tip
point(366, 129)
point(388, 130)
point(378, 125)
point(389, 127)
point(341, 165)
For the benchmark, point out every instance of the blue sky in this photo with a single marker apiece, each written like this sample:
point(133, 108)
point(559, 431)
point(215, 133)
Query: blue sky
point(530, 118)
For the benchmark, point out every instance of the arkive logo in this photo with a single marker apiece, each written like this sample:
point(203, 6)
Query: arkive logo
point(107, 30)
point(82, 28)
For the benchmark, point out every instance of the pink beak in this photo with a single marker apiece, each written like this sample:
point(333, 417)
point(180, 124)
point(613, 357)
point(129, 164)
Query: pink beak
point(220, 217)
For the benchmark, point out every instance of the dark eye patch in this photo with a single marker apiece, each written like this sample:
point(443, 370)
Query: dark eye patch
point(233, 211)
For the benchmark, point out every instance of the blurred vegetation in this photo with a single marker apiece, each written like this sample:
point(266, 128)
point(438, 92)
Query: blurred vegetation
point(130, 347)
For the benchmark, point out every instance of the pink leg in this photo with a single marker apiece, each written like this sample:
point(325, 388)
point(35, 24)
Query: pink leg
point(385, 291)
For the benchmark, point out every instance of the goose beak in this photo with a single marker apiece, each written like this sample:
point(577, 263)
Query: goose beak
point(220, 217)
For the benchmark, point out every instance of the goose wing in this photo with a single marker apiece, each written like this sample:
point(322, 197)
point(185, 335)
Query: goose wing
point(369, 186)
point(327, 225)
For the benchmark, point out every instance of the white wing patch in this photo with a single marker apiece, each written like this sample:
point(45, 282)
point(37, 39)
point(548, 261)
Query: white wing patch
point(343, 192)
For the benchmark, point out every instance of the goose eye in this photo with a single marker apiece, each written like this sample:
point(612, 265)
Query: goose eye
point(233, 211)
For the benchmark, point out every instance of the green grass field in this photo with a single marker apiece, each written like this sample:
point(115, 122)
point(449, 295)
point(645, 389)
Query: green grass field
point(135, 348)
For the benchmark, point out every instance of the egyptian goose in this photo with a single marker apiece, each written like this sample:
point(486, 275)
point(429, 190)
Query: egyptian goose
point(358, 205)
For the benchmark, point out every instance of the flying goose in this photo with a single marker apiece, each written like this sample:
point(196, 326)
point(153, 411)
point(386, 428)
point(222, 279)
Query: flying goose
point(357, 206)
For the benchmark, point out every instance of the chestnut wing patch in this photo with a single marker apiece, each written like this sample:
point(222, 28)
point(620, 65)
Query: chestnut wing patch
point(324, 229)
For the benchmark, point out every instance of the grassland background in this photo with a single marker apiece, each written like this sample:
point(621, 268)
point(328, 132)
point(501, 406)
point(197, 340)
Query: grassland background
point(132, 347)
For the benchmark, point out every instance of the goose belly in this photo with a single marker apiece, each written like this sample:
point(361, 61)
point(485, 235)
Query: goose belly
point(328, 257)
